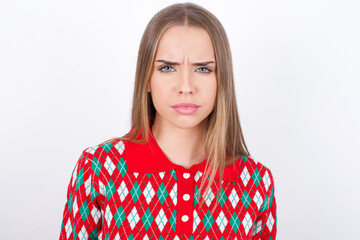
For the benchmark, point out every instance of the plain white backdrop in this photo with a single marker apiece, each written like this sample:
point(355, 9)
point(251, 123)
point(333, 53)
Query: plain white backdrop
point(67, 75)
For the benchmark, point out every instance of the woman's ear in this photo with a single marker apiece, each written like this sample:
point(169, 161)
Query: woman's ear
point(148, 88)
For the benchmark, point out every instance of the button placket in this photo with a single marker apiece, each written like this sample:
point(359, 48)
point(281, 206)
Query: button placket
point(185, 206)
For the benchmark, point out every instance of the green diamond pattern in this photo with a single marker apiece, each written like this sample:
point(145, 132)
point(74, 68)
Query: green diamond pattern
point(162, 193)
point(244, 158)
point(96, 166)
point(84, 211)
point(62, 226)
point(208, 221)
point(122, 167)
point(94, 193)
point(70, 202)
point(265, 204)
point(94, 234)
point(74, 231)
point(173, 174)
point(197, 195)
point(271, 196)
point(107, 147)
point(110, 189)
point(135, 192)
point(107, 237)
point(246, 199)
point(80, 179)
point(235, 222)
point(172, 220)
point(147, 219)
point(222, 197)
point(119, 216)
point(256, 177)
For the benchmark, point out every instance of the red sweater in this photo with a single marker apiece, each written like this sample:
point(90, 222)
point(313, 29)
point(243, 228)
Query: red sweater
point(124, 190)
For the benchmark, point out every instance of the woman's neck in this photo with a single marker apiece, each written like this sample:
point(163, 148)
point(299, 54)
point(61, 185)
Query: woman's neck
point(183, 147)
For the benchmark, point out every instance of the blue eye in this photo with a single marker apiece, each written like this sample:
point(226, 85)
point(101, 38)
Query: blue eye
point(161, 69)
point(207, 70)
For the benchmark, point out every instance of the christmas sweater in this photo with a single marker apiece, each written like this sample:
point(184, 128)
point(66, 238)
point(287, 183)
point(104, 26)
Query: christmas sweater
point(126, 190)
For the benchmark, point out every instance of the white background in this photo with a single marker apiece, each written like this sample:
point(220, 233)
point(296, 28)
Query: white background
point(67, 75)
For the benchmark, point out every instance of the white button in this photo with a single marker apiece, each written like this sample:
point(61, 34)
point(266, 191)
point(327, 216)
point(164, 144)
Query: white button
point(186, 197)
point(185, 218)
point(186, 175)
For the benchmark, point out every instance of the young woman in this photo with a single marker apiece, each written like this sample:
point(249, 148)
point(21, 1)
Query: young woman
point(183, 171)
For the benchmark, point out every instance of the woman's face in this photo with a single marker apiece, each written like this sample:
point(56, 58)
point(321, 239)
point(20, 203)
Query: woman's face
point(184, 72)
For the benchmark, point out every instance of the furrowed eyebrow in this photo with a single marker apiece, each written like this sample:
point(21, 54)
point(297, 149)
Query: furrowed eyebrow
point(176, 63)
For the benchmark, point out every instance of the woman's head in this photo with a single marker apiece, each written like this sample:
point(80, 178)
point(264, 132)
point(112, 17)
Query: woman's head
point(224, 142)
point(184, 16)
point(184, 71)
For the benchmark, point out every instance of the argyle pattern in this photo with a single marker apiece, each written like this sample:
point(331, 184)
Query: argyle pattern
point(106, 201)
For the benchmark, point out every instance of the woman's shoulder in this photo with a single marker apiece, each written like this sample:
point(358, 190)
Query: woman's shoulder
point(254, 163)
point(256, 173)
point(105, 157)
point(109, 147)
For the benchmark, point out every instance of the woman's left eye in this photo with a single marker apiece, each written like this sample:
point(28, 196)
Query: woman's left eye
point(206, 70)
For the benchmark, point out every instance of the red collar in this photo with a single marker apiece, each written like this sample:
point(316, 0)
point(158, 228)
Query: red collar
point(149, 158)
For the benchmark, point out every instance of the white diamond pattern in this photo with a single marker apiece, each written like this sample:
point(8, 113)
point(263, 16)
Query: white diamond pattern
point(196, 221)
point(173, 194)
point(133, 218)
point(102, 188)
point(75, 207)
point(91, 150)
point(256, 228)
point(247, 222)
point(120, 146)
point(197, 176)
point(117, 237)
point(161, 174)
point(87, 186)
point(123, 191)
point(109, 165)
point(83, 235)
point(68, 228)
point(245, 176)
point(210, 197)
point(161, 220)
point(266, 180)
point(108, 215)
point(270, 222)
point(234, 198)
point(221, 221)
point(95, 213)
point(148, 192)
point(258, 199)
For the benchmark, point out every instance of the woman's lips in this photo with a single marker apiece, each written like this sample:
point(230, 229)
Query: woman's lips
point(185, 108)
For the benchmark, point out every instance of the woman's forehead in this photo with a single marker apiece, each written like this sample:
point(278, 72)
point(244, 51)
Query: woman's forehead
point(182, 42)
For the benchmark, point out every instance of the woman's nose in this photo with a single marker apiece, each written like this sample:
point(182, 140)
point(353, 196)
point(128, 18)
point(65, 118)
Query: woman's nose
point(186, 81)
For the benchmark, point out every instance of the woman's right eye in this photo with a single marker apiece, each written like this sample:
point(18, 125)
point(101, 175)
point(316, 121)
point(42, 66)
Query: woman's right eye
point(163, 69)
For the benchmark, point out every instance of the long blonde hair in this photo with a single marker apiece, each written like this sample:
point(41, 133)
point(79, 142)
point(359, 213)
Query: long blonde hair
point(224, 141)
